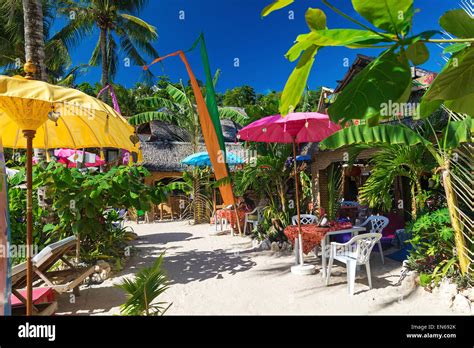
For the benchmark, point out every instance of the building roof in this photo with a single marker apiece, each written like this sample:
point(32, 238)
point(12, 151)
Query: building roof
point(164, 156)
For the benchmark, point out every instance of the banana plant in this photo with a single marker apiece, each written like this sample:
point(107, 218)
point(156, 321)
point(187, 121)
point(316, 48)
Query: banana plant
point(179, 109)
point(440, 146)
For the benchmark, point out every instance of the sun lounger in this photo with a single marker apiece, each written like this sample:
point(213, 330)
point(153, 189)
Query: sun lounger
point(59, 280)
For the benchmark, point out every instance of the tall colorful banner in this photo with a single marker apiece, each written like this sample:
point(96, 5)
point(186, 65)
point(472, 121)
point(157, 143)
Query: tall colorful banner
point(5, 276)
point(212, 134)
point(211, 101)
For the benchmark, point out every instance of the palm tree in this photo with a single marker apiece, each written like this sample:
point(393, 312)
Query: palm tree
point(114, 19)
point(179, 109)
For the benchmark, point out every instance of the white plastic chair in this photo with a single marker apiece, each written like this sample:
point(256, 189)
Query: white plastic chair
point(378, 223)
point(250, 218)
point(353, 253)
point(305, 219)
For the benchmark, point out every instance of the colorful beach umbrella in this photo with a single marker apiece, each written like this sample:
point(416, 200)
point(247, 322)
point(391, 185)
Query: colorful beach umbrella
point(297, 127)
point(201, 159)
point(62, 117)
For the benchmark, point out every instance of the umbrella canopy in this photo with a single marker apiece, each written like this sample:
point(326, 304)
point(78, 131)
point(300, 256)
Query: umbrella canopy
point(83, 122)
point(299, 127)
point(201, 159)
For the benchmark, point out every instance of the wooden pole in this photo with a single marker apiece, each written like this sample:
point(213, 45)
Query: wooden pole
point(29, 135)
point(300, 235)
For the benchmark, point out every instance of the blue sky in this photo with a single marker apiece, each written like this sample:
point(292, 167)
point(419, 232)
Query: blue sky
point(234, 29)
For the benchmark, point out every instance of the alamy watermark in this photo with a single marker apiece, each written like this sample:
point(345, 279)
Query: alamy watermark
point(398, 109)
point(17, 251)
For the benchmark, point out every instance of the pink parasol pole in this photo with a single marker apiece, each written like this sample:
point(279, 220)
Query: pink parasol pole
point(298, 212)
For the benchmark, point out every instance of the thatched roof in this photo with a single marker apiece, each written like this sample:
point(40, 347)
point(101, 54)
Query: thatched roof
point(162, 156)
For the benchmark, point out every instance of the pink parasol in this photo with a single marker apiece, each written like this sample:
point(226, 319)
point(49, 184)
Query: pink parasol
point(296, 127)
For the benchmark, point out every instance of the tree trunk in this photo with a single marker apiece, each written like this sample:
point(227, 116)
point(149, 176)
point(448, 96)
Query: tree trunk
point(105, 61)
point(413, 203)
point(34, 37)
point(197, 206)
point(455, 219)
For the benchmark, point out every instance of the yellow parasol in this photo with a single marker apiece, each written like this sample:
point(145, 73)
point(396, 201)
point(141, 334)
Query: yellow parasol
point(59, 117)
point(77, 120)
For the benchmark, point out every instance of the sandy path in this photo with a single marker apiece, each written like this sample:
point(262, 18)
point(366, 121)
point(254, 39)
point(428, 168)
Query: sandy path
point(212, 274)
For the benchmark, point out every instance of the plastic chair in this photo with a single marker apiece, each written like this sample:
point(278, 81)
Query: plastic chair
point(353, 253)
point(254, 218)
point(378, 223)
point(305, 219)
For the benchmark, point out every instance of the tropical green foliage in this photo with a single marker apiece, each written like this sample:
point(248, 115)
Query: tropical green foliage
point(439, 147)
point(271, 178)
point(178, 107)
point(239, 96)
point(12, 43)
point(432, 240)
point(388, 77)
point(119, 30)
point(268, 177)
point(335, 182)
point(77, 203)
point(390, 162)
point(197, 185)
point(142, 291)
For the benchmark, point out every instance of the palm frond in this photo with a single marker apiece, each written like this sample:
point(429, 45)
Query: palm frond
point(149, 31)
point(96, 56)
point(112, 55)
point(148, 284)
point(76, 30)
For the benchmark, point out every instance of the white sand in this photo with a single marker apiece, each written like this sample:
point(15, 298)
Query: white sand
point(212, 274)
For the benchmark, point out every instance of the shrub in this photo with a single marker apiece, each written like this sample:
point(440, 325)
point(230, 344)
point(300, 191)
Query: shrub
point(433, 253)
point(78, 202)
point(148, 284)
